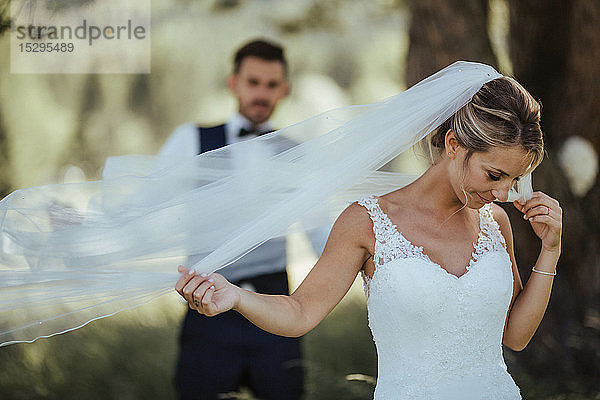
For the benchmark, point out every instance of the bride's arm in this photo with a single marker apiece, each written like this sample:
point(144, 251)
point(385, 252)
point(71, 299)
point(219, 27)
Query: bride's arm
point(343, 257)
point(529, 303)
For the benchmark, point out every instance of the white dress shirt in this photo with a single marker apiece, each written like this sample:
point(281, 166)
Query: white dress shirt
point(185, 139)
point(268, 258)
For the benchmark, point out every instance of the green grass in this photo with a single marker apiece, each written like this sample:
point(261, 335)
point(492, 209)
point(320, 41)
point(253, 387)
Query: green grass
point(132, 356)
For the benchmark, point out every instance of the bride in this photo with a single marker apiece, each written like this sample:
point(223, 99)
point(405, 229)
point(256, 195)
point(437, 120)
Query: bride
point(437, 258)
point(436, 253)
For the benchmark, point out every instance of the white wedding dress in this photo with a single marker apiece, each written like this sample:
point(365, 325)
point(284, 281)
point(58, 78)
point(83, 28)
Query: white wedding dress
point(439, 336)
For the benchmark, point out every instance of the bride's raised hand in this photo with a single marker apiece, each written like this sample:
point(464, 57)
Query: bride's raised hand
point(209, 294)
point(545, 215)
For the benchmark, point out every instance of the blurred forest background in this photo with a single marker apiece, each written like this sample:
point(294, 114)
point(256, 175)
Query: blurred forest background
point(60, 128)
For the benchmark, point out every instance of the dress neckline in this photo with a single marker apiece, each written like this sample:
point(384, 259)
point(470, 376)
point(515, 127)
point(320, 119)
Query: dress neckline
point(419, 250)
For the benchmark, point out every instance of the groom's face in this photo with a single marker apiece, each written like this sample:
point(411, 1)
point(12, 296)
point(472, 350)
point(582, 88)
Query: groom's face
point(258, 86)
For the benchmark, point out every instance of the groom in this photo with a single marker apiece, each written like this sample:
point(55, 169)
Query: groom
point(220, 354)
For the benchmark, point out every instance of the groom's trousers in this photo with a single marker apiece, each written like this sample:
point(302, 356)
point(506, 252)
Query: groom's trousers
point(219, 354)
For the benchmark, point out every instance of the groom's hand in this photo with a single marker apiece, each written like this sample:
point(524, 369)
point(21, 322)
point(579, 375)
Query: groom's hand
point(209, 294)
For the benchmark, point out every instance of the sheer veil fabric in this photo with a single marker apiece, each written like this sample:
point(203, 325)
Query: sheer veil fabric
point(73, 253)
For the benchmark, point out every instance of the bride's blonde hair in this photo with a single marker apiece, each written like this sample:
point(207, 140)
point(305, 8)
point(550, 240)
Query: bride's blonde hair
point(501, 114)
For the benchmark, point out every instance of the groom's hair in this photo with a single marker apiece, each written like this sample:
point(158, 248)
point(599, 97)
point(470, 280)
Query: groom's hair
point(262, 49)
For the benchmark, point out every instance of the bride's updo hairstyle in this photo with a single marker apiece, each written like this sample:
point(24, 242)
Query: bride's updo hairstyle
point(501, 114)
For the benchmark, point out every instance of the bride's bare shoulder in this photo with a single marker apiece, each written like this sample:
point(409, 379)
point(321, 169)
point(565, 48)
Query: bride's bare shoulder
point(398, 198)
point(354, 225)
point(501, 217)
point(355, 216)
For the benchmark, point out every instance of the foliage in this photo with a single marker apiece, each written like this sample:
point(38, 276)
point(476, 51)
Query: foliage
point(132, 356)
point(4, 16)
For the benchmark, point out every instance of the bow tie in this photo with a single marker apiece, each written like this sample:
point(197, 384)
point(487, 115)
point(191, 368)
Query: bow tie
point(245, 132)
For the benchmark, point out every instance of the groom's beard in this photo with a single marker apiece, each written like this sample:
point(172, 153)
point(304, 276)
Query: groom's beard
point(257, 111)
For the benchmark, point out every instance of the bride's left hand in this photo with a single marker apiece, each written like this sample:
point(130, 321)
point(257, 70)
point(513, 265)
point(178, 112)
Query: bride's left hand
point(545, 215)
point(209, 294)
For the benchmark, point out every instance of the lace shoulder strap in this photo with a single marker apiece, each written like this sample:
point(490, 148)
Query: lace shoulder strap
point(381, 222)
point(389, 242)
point(490, 237)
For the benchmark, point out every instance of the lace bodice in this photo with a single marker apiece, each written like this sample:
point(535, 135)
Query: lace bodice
point(439, 336)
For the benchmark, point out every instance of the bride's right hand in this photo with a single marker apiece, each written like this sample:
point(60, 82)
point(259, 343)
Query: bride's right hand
point(209, 294)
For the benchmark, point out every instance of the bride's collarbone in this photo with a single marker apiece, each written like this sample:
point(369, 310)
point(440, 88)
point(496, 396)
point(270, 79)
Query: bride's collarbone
point(449, 243)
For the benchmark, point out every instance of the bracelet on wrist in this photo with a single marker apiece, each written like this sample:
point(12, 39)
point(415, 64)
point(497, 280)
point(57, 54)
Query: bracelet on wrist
point(543, 272)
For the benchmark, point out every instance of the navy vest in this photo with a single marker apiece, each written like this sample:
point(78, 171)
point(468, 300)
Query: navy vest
point(271, 283)
point(211, 138)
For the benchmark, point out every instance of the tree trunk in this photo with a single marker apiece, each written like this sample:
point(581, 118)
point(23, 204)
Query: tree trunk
point(555, 49)
point(442, 32)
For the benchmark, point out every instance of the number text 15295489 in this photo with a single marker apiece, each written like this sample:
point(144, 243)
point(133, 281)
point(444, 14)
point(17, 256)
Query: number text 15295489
point(46, 47)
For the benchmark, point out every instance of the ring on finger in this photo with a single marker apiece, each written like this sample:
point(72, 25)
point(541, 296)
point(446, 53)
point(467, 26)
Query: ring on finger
point(547, 210)
point(196, 303)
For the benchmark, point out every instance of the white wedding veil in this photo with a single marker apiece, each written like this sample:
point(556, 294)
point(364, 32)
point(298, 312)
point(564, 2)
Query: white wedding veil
point(73, 253)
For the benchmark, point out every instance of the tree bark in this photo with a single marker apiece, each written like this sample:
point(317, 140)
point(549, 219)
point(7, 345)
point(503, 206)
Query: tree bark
point(442, 32)
point(555, 49)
